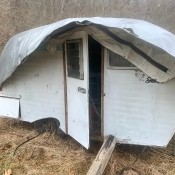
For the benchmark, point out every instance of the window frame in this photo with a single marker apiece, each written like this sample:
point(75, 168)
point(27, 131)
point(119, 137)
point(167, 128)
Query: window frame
point(117, 67)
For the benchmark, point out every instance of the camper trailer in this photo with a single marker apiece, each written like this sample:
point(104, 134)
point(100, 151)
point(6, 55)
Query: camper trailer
point(97, 76)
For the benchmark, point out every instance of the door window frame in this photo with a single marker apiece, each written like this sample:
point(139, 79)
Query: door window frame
point(81, 65)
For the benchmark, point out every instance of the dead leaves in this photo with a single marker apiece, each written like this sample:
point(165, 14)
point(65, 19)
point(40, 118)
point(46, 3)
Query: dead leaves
point(8, 172)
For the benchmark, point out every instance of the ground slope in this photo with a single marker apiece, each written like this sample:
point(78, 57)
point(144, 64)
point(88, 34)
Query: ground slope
point(53, 155)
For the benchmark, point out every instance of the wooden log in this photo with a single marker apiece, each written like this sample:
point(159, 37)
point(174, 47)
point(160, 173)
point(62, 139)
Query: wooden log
point(103, 156)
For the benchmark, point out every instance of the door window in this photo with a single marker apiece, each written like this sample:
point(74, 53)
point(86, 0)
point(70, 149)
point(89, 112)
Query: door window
point(74, 51)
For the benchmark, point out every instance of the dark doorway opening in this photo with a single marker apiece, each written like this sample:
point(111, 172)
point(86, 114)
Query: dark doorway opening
point(94, 87)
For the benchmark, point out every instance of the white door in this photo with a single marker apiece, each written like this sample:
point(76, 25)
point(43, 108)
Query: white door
point(77, 87)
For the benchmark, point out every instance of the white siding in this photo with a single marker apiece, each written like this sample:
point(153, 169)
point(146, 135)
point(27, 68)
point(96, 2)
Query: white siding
point(136, 112)
point(39, 83)
point(9, 107)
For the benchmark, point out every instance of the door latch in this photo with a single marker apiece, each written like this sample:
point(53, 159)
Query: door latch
point(82, 90)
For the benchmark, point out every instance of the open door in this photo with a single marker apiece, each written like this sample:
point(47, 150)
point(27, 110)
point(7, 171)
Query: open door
point(77, 75)
point(95, 88)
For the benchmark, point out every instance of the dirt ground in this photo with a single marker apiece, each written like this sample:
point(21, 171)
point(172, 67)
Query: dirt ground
point(54, 155)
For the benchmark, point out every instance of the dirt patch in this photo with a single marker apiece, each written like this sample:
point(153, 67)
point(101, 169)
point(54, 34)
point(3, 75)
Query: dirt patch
point(54, 155)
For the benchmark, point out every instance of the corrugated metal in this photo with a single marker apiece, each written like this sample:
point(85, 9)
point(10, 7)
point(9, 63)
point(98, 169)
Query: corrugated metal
point(39, 83)
point(136, 112)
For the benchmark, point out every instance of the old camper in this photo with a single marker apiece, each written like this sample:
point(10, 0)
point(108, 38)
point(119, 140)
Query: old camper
point(97, 76)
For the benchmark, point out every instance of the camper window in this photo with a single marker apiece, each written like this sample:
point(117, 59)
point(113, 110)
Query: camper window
point(74, 51)
point(116, 61)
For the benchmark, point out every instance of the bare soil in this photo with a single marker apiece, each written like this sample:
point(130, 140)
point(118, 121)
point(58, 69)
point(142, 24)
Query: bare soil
point(54, 155)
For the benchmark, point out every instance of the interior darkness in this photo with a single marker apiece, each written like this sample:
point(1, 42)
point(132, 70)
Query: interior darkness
point(94, 87)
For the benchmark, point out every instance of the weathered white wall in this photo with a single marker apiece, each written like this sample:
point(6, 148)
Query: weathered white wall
point(9, 107)
point(40, 85)
point(136, 112)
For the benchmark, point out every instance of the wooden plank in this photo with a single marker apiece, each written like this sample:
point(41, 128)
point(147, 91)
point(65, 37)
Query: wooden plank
point(173, 145)
point(102, 91)
point(65, 88)
point(103, 156)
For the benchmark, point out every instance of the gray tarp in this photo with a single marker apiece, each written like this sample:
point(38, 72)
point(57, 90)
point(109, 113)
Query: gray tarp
point(149, 47)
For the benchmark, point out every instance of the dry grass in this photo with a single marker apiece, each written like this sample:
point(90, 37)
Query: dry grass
point(39, 156)
point(67, 157)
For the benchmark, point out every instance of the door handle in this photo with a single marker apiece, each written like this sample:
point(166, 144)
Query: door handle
point(82, 90)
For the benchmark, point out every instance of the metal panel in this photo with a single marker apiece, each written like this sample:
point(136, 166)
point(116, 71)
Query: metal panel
point(78, 100)
point(136, 112)
point(40, 84)
point(154, 44)
point(9, 107)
